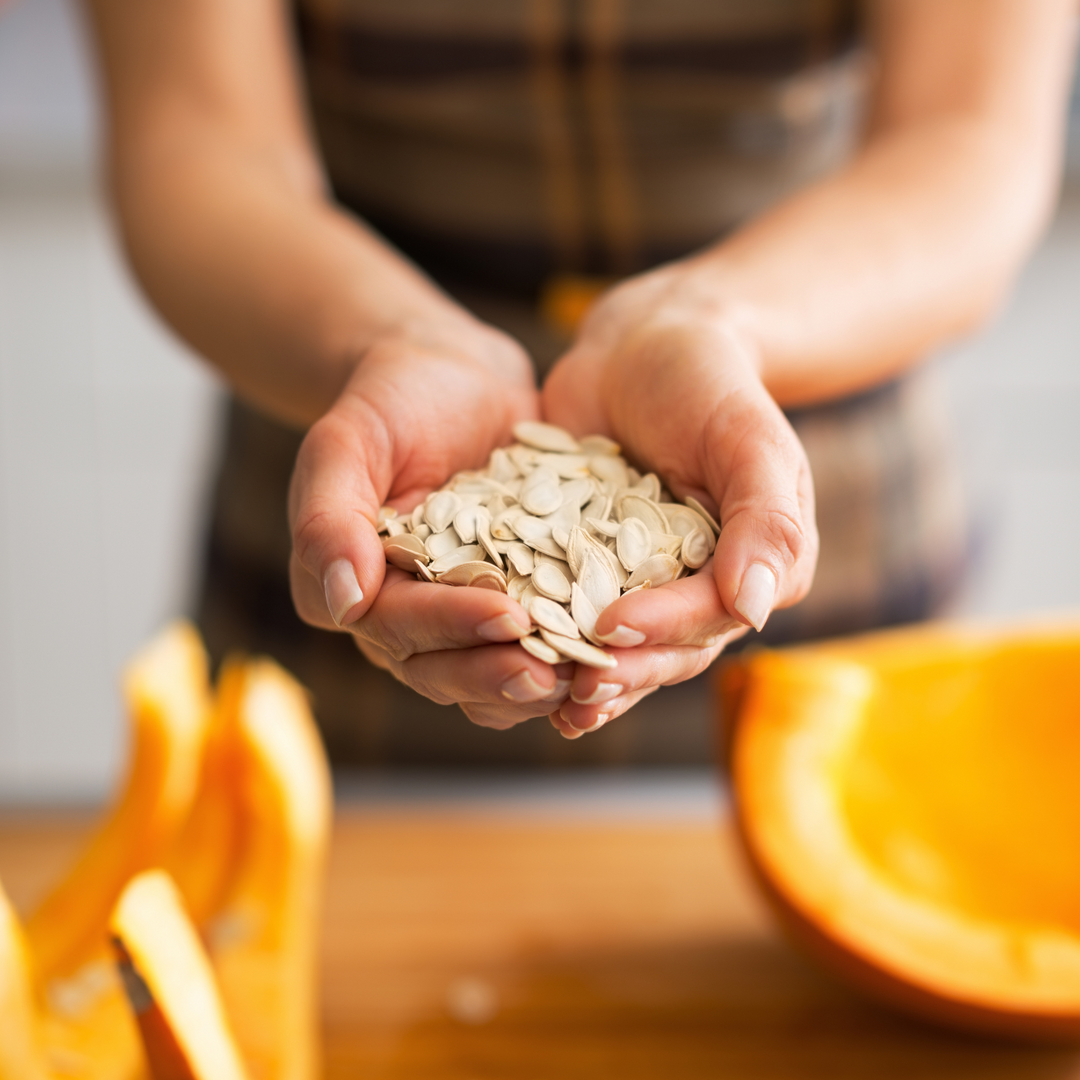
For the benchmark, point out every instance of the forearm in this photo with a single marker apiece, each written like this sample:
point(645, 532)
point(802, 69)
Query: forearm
point(916, 241)
point(263, 276)
point(224, 213)
point(862, 275)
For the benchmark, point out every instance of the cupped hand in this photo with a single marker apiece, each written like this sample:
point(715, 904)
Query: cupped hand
point(421, 405)
point(661, 366)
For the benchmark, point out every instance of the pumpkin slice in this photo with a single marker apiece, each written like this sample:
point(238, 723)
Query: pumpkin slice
point(204, 856)
point(171, 986)
point(22, 1055)
point(911, 804)
point(168, 697)
point(263, 941)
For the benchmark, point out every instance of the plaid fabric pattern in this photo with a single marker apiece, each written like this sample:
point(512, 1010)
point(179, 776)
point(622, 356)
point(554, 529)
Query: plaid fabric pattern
point(502, 141)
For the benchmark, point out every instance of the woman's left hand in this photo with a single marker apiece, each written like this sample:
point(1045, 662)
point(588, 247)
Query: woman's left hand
point(661, 366)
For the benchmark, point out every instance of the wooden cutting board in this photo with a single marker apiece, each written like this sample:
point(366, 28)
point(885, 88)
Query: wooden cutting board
point(481, 945)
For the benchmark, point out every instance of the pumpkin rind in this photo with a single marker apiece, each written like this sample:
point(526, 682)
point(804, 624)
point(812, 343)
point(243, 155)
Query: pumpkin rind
point(892, 880)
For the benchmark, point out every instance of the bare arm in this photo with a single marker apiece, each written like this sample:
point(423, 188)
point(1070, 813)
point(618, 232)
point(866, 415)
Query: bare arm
point(836, 289)
point(917, 240)
point(224, 212)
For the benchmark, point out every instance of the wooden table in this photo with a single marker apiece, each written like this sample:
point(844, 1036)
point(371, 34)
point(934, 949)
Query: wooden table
point(463, 945)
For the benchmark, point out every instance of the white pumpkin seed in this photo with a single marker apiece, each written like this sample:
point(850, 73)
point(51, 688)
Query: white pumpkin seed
point(540, 494)
point(520, 557)
point(657, 570)
point(501, 467)
point(548, 581)
point(539, 648)
point(598, 580)
point(633, 543)
point(492, 580)
point(695, 505)
point(550, 616)
point(695, 548)
point(440, 508)
point(553, 523)
point(584, 613)
point(466, 553)
point(545, 437)
point(402, 551)
point(609, 529)
point(465, 573)
point(599, 444)
point(644, 509)
point(439, 543)
point(578, 492)
point(516, 587)
point(610, 470)
point(665, 544)
point(578, 650)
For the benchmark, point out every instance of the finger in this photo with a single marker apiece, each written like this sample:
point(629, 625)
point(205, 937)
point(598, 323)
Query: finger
point(503, 717)
point(767, 549)
point(309, 596)
point(569, 716)
point(644, 668)
point(684, 612)
point(410, 616)
point(499, 675)
point(334, 500)
point(572, 396)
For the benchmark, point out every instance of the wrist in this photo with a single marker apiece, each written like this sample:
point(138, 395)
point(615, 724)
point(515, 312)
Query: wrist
point(697, 297)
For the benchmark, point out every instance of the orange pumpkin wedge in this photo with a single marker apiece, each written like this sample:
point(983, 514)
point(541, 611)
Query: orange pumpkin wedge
point(22, 1050)
point(203, 858)
point(171, 985)
point(910, 802)
point(263, 940)
point(166, 687)
point(88, 1028)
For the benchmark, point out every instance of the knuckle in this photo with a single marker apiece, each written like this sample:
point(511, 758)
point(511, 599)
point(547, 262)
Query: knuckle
point(789, 535)
point(488, 717)
point(312, 525)
point(376, 633)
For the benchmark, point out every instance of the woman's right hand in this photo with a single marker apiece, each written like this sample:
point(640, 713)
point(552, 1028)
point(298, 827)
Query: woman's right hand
point(422, 404)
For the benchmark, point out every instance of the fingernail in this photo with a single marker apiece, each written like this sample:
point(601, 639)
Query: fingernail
point(562, 688)
point(605, 691)
point(342, 590)
point(523, 687)
point(622, 637)
point(756, 595)
point(502, 627)
point(602, 718)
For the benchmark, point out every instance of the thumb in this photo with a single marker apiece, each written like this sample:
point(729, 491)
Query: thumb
point(767, 550)
point(337, 487)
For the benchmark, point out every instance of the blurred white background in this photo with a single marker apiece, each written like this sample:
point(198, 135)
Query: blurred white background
point(107, 426)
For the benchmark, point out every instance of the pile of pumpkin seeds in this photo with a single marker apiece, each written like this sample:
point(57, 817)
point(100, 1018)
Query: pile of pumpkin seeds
point(564, 526)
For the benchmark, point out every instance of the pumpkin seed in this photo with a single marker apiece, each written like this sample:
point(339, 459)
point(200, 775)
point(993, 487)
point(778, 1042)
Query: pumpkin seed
point(550, 616)
point(581, 651)
point(545, 437)
point(540, 649)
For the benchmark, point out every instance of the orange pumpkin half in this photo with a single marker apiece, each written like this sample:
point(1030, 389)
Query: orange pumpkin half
point(911, 804)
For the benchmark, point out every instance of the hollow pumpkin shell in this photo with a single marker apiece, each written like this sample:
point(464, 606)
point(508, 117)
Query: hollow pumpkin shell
point(910, 802)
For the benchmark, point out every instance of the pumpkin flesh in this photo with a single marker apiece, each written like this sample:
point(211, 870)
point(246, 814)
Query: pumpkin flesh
point(912, 804)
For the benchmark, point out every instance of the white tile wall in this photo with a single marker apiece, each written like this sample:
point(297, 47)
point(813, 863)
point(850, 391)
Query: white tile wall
point(1016, 394)
point(105, 427)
